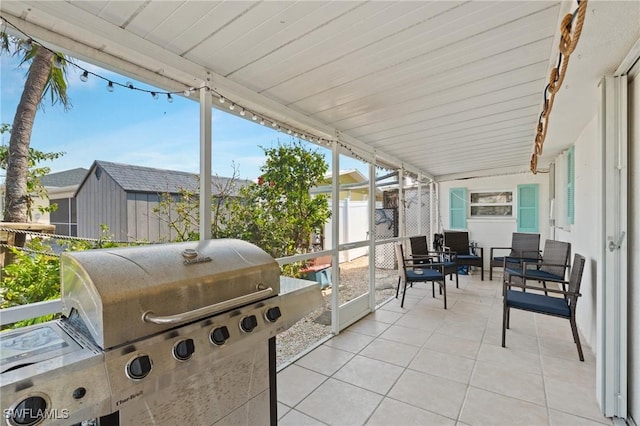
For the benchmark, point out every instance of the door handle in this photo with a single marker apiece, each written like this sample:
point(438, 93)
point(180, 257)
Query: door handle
point(616, 244)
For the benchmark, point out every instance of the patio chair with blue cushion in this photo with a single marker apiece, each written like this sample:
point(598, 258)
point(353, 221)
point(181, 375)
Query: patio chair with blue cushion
point(458, 243)
point(550, 268)
point(410, 272)
point(524, 248)
point(419, 249)
point(563, 307)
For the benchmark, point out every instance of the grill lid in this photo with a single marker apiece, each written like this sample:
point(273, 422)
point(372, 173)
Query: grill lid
point(124, 294)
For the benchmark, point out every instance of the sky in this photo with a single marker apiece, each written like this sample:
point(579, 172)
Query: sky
point(130, 127)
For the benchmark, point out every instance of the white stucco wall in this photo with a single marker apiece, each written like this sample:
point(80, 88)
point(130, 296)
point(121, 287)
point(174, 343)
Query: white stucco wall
point(583, 234)
point(496, 232)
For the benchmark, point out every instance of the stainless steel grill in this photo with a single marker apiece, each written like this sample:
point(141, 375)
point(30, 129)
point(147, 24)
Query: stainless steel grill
point(178, 333)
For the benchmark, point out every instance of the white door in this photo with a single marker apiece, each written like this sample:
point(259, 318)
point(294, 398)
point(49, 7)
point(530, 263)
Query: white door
point(612, 295)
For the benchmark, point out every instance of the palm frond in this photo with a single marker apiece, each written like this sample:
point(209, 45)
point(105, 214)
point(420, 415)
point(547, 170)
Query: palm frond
point(57, 84)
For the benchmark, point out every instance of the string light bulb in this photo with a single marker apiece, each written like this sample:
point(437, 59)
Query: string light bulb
point(187, 92)
point(262, 121)
point(154, 95)
point(243, 112)
point(169, 98)
point(221, 99)
point(110, 86)
point(129, 84)
point(57, 61)
point(27, 45)
point(232, 106)
point(274, 124)
point(254, 117)
point(85, 76)
point(289, 131)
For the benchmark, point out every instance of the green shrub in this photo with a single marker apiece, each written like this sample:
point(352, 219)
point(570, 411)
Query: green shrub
point(35, 274)
point(33, 277)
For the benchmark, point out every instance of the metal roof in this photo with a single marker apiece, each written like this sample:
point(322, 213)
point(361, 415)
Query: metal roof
point(447, 88)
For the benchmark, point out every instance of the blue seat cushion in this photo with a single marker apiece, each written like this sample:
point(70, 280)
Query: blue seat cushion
point(538, 303)
point(513, 271)
point(425, 274)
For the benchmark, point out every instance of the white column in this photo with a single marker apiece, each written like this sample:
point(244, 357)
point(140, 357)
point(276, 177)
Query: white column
point(372, 235)
point(205, 164)
point(435, 207)
point(401, 210)
point(420, 206)
point(335, 236)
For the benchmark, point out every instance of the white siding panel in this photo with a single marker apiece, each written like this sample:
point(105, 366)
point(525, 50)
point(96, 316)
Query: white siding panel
point(204, 17)
point(444, 117)
point(359, 96)
point(280, 31)
point(333, 39)
point(153, 16)
point(430, 51)
point(119, 12)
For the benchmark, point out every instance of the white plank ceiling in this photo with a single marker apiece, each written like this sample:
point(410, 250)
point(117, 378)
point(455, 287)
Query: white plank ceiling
point(448, 88)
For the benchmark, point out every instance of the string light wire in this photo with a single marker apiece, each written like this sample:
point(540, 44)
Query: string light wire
point(29, 43)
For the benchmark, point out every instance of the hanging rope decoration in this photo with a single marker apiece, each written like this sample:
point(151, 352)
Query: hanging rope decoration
point(570, 34)
point(187, 92)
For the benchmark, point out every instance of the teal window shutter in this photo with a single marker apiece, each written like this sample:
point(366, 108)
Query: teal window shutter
point(570, 186)
point(458, 208)
point(528, 208)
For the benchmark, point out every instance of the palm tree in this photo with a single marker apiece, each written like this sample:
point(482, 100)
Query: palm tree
point(46, 75)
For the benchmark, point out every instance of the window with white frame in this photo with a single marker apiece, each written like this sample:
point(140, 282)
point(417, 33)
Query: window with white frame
point(491, 204)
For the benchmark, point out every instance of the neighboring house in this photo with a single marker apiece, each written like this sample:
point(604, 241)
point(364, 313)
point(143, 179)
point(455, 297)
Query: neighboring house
point(60, 187)
point(353, 185)
point(123, 198)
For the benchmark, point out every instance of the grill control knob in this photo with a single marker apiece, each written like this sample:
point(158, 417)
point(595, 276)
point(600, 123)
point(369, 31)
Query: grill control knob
point(139, 367)
point(184, 349)
point(247, 324)
point(29, 411)
point(220, 335)
point(273, 314)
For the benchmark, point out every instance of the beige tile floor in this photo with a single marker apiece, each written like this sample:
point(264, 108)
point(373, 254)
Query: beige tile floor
point(423, 365)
